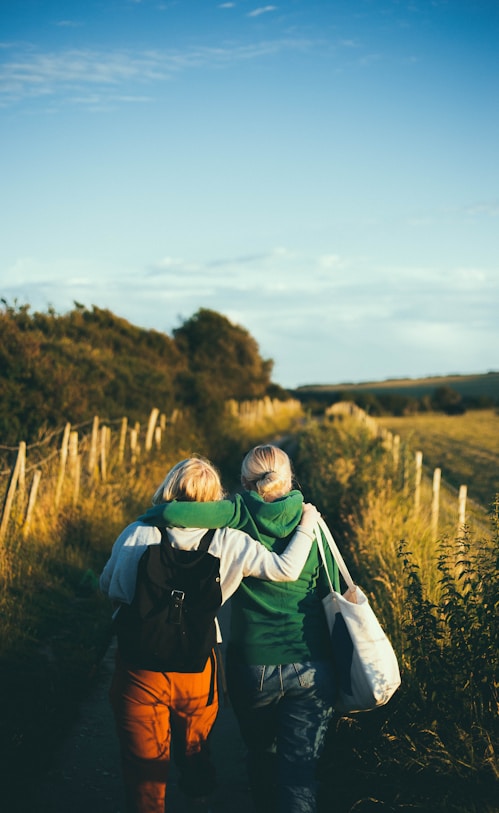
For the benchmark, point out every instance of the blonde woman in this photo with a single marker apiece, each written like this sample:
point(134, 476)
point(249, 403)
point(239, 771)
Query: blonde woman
point(279, 664)
point(148, 702)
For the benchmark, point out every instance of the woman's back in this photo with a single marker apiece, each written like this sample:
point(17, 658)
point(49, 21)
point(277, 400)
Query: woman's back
point(278, 623)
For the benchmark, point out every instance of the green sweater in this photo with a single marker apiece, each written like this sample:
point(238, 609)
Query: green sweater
point(271, 622)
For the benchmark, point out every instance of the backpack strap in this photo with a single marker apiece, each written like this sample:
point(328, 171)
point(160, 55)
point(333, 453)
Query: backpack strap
point(206, 539)
point(204, 543)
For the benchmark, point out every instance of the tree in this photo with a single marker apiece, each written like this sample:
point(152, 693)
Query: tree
point(222, 360)
point(445, 399)
point(57, 368)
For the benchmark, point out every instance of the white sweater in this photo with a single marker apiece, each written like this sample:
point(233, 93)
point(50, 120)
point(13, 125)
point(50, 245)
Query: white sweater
point(240, 555)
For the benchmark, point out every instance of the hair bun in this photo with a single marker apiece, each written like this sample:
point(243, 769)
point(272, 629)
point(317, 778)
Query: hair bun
point(267, 469)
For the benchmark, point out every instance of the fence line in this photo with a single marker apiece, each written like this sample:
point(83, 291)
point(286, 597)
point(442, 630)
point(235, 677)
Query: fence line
point(68, 474)
point(251, 413)
point(409, 474)
point(86, 459)
point(98, 447)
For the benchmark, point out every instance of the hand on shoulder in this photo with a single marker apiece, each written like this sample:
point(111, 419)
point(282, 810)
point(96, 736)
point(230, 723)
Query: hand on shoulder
point(310, 516)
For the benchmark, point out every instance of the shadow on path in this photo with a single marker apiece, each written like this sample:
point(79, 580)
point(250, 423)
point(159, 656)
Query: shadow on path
point(86, 777)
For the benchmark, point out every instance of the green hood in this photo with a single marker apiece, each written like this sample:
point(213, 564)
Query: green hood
point(271, 520)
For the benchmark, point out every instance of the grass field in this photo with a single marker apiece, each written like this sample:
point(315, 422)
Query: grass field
point(465, 447)
point(486, 384)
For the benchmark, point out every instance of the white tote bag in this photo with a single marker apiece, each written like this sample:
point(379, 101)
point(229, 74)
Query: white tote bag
point(366, 665)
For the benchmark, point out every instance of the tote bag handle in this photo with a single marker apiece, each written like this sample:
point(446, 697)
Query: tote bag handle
point(321, 526)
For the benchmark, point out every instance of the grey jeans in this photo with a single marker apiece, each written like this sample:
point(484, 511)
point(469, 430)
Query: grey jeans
point(283, 713)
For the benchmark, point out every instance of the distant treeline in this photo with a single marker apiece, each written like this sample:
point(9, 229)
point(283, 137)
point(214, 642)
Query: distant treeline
point(443, 398)
point(56, 368)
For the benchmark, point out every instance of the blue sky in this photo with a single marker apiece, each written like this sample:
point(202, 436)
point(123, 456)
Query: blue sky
point(325, 174)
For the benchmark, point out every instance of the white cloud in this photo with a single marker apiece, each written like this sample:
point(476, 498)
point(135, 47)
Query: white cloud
point(324, 318)
point(489, 209)
point(474, 278)
point(262, 10)
point(29, 73)
point(68, 24)
point(330, 261)
point(173, 266)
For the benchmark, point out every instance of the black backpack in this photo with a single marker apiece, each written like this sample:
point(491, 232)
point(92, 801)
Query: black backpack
point(170, 624)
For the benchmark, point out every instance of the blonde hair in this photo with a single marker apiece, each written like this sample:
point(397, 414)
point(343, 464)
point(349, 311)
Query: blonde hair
point(192, 480)
point(267, 470)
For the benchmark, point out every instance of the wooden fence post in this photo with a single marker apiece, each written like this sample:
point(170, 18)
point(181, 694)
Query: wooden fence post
point(77, 480)
point(62, 464)
point(435, 505)
point(32, 500)
point(463, 493)
point(137, 444)
point(21, 482)
point(123, 434)
point(153, 417)
point(105, 438)
point(73, 451)
point(133, 446)
point(74, 466)
point(417, 478)
point(396, 453)
point(92, 457)
point(406, 472)
point(11, 488)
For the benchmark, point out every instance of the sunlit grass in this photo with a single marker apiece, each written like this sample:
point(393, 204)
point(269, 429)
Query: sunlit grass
point(55, 624)
point(436, 595)
point(465, 447)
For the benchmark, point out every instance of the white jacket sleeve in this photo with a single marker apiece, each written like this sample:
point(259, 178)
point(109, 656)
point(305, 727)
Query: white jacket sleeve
point(119, 576)
point(240, 555)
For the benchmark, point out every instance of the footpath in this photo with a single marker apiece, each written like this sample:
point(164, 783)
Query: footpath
point(86, 775)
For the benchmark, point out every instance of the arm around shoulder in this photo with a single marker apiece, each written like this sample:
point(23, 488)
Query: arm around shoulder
point(287, 566)
point(179, 514)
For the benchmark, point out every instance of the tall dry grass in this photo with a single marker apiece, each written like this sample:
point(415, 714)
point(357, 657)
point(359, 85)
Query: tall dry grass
point(438, 600)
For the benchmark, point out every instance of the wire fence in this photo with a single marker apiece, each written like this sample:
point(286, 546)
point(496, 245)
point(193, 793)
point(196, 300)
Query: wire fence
point(67, 464)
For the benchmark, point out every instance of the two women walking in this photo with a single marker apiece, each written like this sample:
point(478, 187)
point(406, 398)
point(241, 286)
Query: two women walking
point(279, 668)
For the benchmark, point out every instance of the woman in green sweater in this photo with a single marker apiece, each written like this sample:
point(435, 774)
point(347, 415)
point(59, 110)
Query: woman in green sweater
point(279, 669)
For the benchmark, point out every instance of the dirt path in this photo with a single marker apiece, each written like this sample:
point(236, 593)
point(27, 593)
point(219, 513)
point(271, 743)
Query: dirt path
point(86, 777)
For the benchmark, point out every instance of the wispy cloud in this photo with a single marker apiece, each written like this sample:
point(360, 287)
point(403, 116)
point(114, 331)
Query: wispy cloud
point(28, 73)
point(489, 209)
point(262, 10)
point(349, 290)
point(173, 266)
point(68, 24)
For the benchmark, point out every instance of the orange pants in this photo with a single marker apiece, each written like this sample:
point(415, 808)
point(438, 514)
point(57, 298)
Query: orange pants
point(153, 710)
